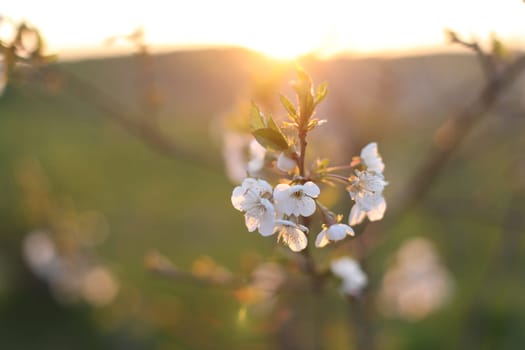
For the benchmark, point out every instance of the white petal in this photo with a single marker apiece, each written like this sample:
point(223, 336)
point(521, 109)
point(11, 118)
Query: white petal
point(251, 222)
point(267, 224)
point(369, 202)
point(372, 181)
point(238, 197)
point(295, 239)
point(356, 215)
point(263, 187)
point(287, 207)
point(281, 223)
point(321, 239)
point(378, 211)
point(285, 163)
point(369, 150)
point(338, 232)
point(281, 192)
point(305, 206)
point(371, 158)
point(249, 183)
point(311, 189)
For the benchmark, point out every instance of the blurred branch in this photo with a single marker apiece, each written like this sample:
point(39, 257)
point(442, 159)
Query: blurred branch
point(146, 131)
point(360, 315)
point(27, 49)
point(447, 139)
point(454, 130)
point(159, 264)
point(486, 60)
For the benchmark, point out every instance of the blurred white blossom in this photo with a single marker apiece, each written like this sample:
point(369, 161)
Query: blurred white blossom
point(242, 155)
point(285, 162)
point(71, 277)
point(417, 284)
point(257, 155)
point(352, 276)
point(268, 277)
point(39, 253)
point(233, 152)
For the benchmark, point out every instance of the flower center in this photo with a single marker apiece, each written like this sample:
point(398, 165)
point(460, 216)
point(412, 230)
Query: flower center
point(298, 194)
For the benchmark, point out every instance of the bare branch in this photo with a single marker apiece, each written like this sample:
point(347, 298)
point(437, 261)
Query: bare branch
point(486, 60)
point(450, 135)
point(148, 132)
point(159, 264)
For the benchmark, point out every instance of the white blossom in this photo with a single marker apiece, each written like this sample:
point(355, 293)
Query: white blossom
point(417, 283)
point(285, 163)
point(39, 252)
point(291, 234)
point(371, 158)
point(366, 190)
point(242, 154)
point(353, 277)
point(257, 154)
point(233, 152)
point(296, 200)
point(335, 232)
point(252, 198)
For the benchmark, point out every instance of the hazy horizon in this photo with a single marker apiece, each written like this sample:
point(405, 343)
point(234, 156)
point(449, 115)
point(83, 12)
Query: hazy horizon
point(278, 29)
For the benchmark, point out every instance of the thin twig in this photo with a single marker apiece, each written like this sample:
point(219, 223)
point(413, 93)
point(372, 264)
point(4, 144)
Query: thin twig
point(160, 265)
point(486, 60)
point(130, 121)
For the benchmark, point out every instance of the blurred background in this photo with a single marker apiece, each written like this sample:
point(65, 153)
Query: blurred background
point(118, 158)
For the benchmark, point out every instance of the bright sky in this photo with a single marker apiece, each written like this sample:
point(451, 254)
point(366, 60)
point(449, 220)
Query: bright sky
point(281, 28)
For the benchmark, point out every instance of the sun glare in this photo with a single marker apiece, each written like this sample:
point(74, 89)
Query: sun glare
point(282, 50)
point(279, 29)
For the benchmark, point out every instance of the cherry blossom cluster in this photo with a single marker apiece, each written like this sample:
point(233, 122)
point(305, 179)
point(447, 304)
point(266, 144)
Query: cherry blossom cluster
point(285, 209)
point(277, 210)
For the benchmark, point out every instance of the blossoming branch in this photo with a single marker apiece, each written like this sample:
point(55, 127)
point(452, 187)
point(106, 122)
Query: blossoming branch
point(282, 209)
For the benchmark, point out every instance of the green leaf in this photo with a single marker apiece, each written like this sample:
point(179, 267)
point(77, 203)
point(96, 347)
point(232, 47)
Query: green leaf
point(288, 105)
point(271, 138)
point(273, 125)
point(304, 78)
point(256, 118)
point(323, 163)
point(303, 85)
point(320, 95)
point(270, 123)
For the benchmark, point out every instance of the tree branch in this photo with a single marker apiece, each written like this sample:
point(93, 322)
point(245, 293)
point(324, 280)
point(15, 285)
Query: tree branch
point(452, 133)
point(112, 109)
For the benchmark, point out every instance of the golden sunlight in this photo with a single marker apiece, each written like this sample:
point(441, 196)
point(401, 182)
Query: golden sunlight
point(282, 50)
point(281, 29)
